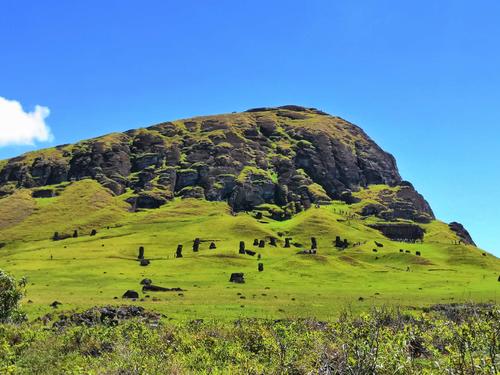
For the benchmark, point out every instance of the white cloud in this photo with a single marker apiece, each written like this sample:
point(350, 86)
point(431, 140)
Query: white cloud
point(22, 128)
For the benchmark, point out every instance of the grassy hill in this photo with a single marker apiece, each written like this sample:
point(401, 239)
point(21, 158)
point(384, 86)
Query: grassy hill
point(95, 270)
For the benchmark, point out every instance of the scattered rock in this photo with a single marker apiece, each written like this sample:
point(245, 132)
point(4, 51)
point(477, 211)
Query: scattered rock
point(146, 282)
point(131, 294)
point(144, 262)
point(55, 304)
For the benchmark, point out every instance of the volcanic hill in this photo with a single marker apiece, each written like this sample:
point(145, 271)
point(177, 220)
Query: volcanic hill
point(326, 200)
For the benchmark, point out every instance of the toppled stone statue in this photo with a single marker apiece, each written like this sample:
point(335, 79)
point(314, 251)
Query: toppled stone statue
point(238, 278)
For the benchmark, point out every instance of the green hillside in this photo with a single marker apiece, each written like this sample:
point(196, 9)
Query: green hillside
point(95, 270)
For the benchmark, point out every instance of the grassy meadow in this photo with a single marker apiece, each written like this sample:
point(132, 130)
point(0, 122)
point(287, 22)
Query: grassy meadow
point(96, 270)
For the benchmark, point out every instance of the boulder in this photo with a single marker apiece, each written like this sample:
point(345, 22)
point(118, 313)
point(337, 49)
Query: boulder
point(146, 282)
point(132, 294)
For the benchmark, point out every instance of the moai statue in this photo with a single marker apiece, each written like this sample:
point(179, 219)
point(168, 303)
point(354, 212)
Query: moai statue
point(314, 243)
point(261, 267)
point(287, 242)
point(212, 246)
point(75, 234)
point(141, 253)
point(259, 256)
point(178, 253)
point(256, 242)
point(196, 244)
point(56, 236)
point(338, 242)
point(93, 233)
point(272, 241)
point(242, 247)
point(262, 243)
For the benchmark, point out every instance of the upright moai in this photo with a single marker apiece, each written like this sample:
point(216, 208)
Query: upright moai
point(272, 241)
point(196, 245)
point(56, 236)
point(75, 234)
point(242, 247)
point(141, 253)
point(212, 246)
point(314, 243)
point(287, 242)
point(259, 256)
point(261, 267)
point(178, 253)
point(262, 243)
point(338, 242)
point(93, 233)
point(256, 242)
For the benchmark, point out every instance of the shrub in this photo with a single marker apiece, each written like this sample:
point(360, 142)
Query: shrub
point(11, 293)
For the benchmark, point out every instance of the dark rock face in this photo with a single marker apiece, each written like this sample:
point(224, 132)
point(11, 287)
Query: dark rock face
point(401, 202)
point(291, 157)
point(462, 233)
point(401, 232)
point(44, 193)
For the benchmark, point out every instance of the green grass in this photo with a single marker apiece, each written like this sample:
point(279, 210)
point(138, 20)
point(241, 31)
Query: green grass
point(86, 271)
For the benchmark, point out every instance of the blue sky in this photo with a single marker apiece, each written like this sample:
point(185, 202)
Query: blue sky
point(422, 78)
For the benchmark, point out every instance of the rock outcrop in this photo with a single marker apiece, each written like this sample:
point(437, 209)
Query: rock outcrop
point(462, 233)
point(289, 157)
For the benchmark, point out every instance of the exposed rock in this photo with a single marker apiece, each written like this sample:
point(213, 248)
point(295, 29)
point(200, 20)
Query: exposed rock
point(289, 157)
point(401, 232)
point(130, 294)
point(105, 315)
point(44, 193)
point(462, 233)
point(144, 262)
point(146, 282)
point(55, 304)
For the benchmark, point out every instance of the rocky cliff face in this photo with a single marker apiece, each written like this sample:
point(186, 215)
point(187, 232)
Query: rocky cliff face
point(288, 156)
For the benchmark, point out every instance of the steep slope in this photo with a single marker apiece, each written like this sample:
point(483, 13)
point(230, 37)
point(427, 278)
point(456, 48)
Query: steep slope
point(289, 156)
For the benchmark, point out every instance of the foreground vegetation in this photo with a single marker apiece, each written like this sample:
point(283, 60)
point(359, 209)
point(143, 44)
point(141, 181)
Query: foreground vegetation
point(460, 339)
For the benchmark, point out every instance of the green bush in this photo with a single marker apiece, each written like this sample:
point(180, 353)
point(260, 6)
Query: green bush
point(11, 293)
